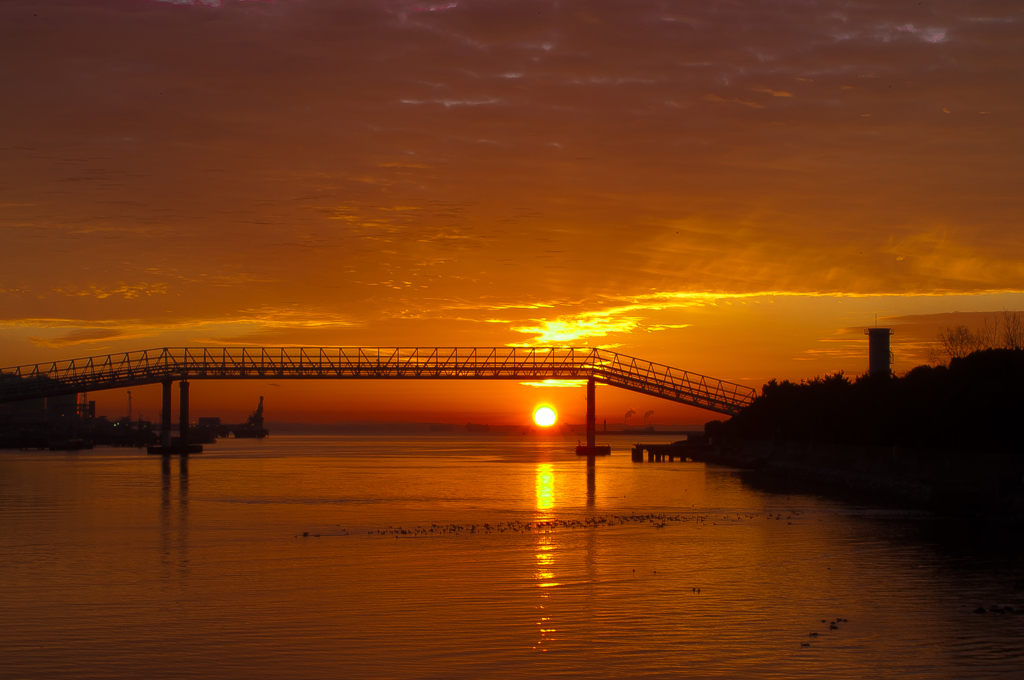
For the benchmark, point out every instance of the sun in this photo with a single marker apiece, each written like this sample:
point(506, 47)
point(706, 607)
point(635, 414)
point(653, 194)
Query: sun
point(545, 416)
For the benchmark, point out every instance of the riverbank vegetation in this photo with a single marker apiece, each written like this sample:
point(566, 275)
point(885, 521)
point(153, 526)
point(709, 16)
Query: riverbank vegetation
point(994, 332)
point(973, 404)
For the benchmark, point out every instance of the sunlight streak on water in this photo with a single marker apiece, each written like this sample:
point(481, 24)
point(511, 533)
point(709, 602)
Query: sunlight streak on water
point(545, 486)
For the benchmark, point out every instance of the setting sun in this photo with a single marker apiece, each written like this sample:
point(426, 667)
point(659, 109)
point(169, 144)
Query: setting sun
point(545, 416)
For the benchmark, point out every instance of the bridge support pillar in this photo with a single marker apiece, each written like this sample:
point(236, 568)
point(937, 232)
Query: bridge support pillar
point(183, 416)
point(165, 415)
point(591, 449)
point(591, 413)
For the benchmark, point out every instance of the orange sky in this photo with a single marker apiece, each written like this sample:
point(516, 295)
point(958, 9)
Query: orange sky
point(730, 188)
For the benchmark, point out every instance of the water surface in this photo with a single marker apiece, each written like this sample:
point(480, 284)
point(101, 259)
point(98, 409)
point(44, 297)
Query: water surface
point(471, 557)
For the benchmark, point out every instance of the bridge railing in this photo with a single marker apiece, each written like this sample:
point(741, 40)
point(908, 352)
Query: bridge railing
point(156, 365)
point(79, 375)
point(666, 382)
point(376, 362)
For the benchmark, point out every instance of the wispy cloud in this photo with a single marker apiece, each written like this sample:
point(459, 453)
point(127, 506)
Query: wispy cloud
point(208, 3)
point(931, 35)
point(774, 93)
point(579, 328)
point(587, 326)
point(734, 100)
point(293, 316)
point(638, 315)
point(763, 178)
point(246, 326)
point(126, 291)
point(448, 103)
point(81, 336)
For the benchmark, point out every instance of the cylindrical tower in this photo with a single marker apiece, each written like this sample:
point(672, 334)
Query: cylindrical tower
point(879, 355)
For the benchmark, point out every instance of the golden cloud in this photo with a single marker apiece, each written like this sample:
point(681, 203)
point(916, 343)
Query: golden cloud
point(774, 93)
point(716, 98)
point(124, 290)
point(80, 336)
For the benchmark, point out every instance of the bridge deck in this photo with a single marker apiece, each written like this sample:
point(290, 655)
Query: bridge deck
point(149, 366)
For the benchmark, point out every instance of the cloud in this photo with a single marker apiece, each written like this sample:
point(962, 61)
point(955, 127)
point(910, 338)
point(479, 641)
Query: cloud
point(194, 3)
point(583, 327)
point(260, 325)
point(577, 329)
point(208, 3)
point(638, 315)
point(435, 8)
point(666, 326)
point(292, 316)
point(774, 93)
point(124, 291)
point(267, 169)
point(931, 35)
point(716, 98)
point(81, 336)
point(449, 103)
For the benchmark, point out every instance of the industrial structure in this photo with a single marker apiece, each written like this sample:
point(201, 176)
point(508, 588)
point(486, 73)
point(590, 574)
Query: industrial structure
point(880, 358)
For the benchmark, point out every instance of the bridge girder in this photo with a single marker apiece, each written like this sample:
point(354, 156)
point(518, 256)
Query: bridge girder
point(130, 369)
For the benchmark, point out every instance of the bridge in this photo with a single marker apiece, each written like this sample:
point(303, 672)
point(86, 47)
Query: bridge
point(166, 365)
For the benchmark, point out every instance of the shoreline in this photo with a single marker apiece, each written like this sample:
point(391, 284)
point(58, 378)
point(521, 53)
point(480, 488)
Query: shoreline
point(981, 486)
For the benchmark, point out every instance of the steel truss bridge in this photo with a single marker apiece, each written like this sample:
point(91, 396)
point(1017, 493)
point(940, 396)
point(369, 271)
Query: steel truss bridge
point(168, 364)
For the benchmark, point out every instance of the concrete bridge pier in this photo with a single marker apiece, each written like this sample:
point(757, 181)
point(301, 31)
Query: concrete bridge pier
point(592, 449)
point(591, 413)
point(168, 447)
point(165, 415)
point(183, 415)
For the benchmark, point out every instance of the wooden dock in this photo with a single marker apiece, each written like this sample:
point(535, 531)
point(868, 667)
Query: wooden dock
point(660, 452)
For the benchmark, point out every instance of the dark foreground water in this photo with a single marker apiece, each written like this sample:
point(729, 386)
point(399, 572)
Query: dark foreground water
point(424, 559)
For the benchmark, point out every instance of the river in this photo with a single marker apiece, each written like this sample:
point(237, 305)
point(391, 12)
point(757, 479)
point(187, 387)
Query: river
point(478, 556)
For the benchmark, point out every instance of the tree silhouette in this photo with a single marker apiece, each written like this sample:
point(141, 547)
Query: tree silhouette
point(974, 404)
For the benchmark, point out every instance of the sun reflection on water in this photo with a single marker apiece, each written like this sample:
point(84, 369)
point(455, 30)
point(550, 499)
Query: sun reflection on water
point(545, 563)
point(545, 486)
point(545, 575)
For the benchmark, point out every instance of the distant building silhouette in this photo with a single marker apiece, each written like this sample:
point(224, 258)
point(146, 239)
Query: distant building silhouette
point(880, 358)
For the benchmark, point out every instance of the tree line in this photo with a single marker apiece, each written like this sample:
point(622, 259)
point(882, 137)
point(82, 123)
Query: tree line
point(973, 404)
point(956, 342)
